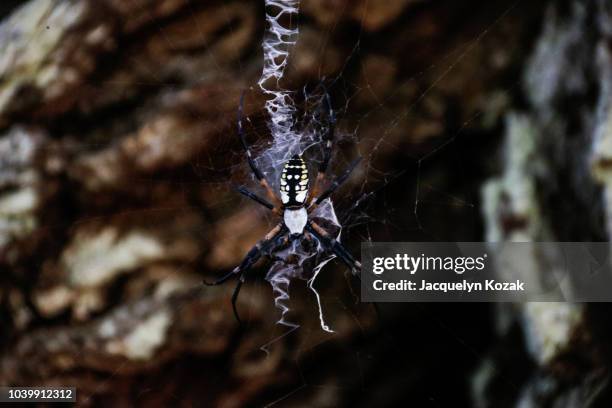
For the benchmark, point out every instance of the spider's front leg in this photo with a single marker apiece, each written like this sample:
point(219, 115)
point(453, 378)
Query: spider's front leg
point(331, 244)
point(273, 239)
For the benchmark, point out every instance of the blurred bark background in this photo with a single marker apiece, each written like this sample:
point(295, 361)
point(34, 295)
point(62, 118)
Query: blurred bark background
point(117, 155)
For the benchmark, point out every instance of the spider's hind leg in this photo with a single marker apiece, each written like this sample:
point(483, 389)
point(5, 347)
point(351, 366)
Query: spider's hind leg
point(327, 139)
point(256, 171)
point(335, 184)
point(262, 201)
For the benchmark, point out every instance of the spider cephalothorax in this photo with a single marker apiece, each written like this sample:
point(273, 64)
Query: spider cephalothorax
point(295, 205)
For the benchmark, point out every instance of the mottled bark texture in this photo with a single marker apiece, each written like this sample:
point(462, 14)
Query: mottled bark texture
point(117, 155)
point(555, 187)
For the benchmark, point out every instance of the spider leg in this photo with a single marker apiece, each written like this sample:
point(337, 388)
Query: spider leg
point(220, 280)
point(256, 172)
point(266, 245)
point(328, 138)
point(336, 183)
point(330, 243)
point(246, 192)
point(276, 241)
point(235, 298)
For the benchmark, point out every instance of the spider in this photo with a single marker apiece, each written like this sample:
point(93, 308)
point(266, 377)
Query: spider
point(296, 203)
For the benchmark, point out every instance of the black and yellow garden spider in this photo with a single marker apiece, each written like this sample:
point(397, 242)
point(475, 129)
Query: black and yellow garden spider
point(296, 203)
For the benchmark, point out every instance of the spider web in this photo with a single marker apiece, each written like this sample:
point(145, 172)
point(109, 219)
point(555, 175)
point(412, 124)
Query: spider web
point(374, 181)
point(370, 213)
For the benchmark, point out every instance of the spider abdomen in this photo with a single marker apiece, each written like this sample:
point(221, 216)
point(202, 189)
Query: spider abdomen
point(294, 182)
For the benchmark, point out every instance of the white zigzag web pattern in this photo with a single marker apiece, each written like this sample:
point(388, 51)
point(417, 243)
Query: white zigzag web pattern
point(276, 45)
point(286, 141)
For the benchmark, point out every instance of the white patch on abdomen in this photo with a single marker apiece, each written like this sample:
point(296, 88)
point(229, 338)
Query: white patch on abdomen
point(300, 196)
point(295, 220)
